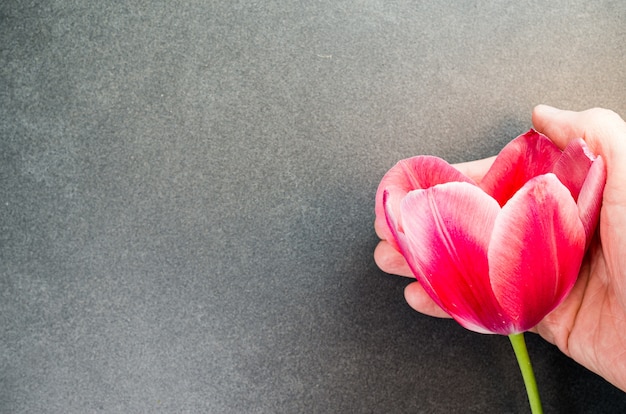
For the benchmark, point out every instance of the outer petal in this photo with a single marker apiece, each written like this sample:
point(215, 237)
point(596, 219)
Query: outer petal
point(535, 252)
point(527, 156)
point(447, 230)
point(573, 166)
point(407, 175)
point(590, 198)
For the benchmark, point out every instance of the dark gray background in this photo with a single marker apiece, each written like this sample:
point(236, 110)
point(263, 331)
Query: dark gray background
point(187, 194)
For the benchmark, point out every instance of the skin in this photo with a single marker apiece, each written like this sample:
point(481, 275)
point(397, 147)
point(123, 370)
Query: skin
point(590, 325)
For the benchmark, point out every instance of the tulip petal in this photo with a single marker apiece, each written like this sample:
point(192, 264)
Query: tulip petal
point(527, 156)
point(573, 165)
point(407, 175)
point(590, 198)
point(536, 249)
point(396, 235)
point(447, 230)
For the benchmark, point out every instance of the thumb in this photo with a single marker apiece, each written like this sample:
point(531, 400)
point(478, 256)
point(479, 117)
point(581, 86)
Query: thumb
point(555, 123)
point(602, 129)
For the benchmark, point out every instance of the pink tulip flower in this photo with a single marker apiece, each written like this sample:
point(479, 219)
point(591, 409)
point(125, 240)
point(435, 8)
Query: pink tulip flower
point(500, 254)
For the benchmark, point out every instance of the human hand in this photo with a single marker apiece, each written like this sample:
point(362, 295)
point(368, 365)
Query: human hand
point(590, 324)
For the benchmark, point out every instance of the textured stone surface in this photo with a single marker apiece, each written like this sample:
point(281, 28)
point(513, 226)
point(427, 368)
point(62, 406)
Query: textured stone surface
point(186, 198)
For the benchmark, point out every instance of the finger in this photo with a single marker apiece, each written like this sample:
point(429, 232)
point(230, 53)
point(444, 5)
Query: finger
point(379, 229)
point(559, 125)
point(418, 299)
point(605, 134)
point(475, 170)
point(390, 260)
point(603, 130)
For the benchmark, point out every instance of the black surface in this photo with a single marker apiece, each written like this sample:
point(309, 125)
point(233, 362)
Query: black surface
point(187, 198)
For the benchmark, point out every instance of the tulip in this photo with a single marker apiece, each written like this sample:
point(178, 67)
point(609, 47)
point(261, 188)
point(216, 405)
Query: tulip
point(497, 256)
point(500, 254)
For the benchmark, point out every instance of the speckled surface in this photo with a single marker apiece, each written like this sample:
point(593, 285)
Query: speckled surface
point(186, 198)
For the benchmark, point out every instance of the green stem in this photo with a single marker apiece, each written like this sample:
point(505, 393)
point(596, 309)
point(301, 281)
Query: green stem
point(519, 346)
